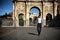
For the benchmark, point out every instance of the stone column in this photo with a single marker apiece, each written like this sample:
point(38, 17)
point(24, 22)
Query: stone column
point(13, 15)
point(16, 24)
point(27, 15)
point(56, 4)
point(44, 15)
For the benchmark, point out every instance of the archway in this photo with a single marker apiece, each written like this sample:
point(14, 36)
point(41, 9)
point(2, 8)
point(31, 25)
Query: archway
point(21, 19)
point(48, 18)
point(33, 14)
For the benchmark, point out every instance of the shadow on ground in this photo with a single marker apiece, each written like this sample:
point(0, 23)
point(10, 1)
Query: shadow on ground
point(33, 34)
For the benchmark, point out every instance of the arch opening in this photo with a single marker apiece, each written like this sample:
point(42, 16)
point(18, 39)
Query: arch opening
point(21, 19)
point(48, 18)
point(33, 14)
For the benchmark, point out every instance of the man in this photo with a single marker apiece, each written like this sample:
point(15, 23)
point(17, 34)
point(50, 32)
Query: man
point(39, 24)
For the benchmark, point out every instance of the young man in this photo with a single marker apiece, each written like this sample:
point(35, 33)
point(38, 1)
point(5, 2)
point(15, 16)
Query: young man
point(39, 24)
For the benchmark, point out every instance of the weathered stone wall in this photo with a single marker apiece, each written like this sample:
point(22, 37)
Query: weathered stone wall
point(21, 10)
point(47, 8)
point(24, 8)
point(30, 5)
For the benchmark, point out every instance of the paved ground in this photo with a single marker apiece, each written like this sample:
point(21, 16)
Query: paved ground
point(5, 30)
point(30, 33)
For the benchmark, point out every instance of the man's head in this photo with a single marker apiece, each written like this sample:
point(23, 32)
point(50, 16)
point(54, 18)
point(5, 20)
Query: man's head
point(39, 15)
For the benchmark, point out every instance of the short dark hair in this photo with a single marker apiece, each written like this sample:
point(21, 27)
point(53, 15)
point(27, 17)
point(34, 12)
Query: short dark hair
point(39, 15)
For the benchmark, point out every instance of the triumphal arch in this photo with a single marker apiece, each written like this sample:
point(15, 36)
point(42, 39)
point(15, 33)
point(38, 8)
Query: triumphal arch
point(22, 16)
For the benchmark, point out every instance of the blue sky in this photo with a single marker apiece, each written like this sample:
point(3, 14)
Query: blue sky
point(6, 6)
point(34, 10)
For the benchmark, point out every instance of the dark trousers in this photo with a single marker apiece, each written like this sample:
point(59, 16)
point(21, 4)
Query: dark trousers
point(39, 28)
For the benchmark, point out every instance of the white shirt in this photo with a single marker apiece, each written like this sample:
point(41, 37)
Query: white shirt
point(40, 20)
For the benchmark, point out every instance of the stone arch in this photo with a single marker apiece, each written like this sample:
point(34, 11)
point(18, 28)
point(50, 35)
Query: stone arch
point(48, 18)
point(31, 5)
point(34, 17)
point(21, 19)
point(36, 8)
point(24, 7)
